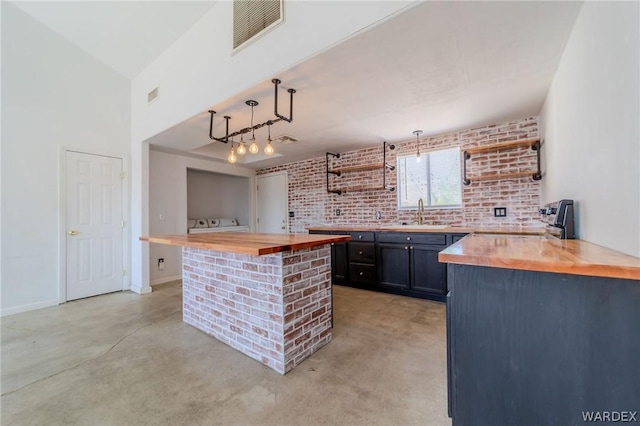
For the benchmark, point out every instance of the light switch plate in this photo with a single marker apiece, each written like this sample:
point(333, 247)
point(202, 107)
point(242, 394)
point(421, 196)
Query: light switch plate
point(500, 212)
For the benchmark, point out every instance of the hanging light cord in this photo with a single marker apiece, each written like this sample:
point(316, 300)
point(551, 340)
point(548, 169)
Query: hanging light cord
point(252, 130)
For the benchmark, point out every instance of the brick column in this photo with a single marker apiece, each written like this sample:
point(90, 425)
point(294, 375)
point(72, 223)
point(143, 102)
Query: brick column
point(274, 308)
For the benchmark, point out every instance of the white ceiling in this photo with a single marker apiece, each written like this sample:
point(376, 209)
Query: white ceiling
point(439, 67)
point(125, 35)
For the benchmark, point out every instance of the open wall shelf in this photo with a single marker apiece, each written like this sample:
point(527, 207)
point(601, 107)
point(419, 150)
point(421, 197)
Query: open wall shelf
point(534, 144)
point(339, 171)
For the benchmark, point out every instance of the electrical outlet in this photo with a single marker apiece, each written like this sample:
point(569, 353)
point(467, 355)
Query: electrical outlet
point(378, 214)
point(292, 214)
point(161, 264)
point(500, 212)
point(338, 212)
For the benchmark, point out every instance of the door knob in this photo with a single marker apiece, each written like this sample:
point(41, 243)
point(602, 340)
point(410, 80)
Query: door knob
point(73, 232)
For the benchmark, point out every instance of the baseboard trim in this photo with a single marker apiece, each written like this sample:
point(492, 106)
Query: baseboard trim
point(140, 290)
point(166, 280)
point(28, 307)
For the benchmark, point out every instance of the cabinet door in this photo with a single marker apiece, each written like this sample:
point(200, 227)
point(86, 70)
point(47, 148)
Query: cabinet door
point(393, 265)
point(339, 263)
point(427, 274)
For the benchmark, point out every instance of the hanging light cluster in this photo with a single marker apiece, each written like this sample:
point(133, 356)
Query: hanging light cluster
point(253, 145)
point(417, 133)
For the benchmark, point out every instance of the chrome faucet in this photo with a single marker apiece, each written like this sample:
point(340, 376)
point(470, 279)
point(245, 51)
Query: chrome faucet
point(420, 211)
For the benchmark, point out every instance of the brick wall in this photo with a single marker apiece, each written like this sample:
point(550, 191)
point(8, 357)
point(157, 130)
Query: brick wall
point(312, 205)
point(307, 302)
point(274, 308)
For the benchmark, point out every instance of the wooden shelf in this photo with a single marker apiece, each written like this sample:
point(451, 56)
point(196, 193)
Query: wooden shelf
point(498, 146)
point(534, 144)
point(338, 171)
point(377, 166)
point(495, 176)
point(359, 189)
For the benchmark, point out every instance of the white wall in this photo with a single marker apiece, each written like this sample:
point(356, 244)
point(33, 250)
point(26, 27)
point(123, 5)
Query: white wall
point(211, 195)
point(591, 129)
point(53, 95)
point(198, 71)
point(168, 196)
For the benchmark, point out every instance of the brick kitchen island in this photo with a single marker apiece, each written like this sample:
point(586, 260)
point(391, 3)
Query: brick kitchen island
point(266, 295)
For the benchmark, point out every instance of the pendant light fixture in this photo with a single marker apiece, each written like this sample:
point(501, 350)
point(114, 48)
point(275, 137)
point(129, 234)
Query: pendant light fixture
point(268, 150)
point(417, 133)
point(232, 158)
point(253, 146)
point(242, 148)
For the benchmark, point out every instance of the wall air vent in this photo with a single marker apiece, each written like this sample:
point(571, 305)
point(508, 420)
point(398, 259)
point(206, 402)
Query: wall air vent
point(253, 18)
point(152, 95)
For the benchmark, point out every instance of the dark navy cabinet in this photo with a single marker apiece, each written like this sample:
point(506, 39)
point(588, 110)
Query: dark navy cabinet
point(427, 274)
point(339, 263)
point(394, 262)
point(540, 349)
point(393, 266)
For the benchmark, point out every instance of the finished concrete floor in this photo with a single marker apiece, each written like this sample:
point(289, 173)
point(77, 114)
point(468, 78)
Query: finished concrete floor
point(125, 359)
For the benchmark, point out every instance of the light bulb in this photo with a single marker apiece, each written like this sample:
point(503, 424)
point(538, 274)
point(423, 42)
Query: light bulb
point(253, 148)
point(268, 150)
point(232, 156)
point(242, 149)
point(418, 157)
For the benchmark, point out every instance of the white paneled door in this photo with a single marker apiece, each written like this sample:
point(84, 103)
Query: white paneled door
point(94, 225)
point(273, 203)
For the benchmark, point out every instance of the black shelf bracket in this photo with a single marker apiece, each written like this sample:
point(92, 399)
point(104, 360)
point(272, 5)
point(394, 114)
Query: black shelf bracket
point(465, 156)
point(536, 147)
point(385, 165)
point(331, 191)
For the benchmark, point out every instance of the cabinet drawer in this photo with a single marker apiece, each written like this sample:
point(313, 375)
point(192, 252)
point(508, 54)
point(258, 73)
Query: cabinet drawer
point(412, 238)
point(362, 252)
point(362, 236)
point(362, 273)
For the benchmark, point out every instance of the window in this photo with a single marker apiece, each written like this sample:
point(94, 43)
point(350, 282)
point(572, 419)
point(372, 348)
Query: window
point(435, 179)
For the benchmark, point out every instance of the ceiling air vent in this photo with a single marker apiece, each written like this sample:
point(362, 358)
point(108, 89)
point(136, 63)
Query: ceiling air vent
point(252, 18)
point(152, 95)
point(286, 139)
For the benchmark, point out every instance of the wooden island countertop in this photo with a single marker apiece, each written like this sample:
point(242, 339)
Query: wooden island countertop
point(247, 243)
point(542, 254)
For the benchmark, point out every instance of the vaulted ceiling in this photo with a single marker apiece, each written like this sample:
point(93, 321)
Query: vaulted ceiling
point(439, 67)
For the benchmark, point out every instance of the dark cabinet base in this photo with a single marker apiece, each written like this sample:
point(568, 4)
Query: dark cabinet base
point(535, 348)
point(392, 262)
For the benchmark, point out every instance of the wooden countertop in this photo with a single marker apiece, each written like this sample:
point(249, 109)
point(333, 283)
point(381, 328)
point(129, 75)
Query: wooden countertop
point(247, 243)
point(543, 254)
point(428, 228)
